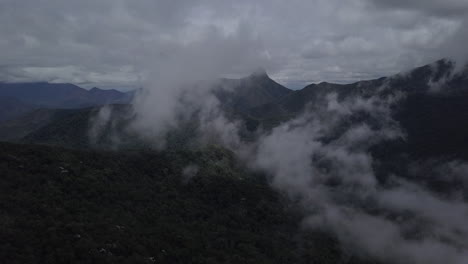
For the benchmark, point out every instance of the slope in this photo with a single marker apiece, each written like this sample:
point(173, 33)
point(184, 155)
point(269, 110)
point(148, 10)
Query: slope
point(242, 94)
point(11, 107)
point(63, 206)
point(61, 95)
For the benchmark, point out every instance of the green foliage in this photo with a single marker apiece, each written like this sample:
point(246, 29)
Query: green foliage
point(70, 206)
point(64, 206)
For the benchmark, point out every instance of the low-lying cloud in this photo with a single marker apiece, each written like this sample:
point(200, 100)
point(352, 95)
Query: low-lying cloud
point(322, 159)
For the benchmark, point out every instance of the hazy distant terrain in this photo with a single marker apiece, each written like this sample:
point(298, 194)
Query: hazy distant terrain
point(20, 98)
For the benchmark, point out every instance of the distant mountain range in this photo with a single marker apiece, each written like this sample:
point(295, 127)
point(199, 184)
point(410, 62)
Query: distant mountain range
point(438, 76)
point(19, 98)
point(434, 109)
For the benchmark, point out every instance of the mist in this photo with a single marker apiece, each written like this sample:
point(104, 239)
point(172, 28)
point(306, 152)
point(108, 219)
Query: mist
point(323, 162)
point(184, 82)
point(319, 158)
point(326, 164)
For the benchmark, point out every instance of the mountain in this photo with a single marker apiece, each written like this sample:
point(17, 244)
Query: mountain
point(70, 127)
point(110, 96)
point(11, 107)
point(429, 79)
point(435, 124)
point(296, 102)
point(17, 128)
point(69, 206)
point(252, 91)
point(61, 95)
point(432, 110)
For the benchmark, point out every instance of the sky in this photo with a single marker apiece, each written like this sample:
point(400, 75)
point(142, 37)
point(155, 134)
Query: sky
point(118, 43)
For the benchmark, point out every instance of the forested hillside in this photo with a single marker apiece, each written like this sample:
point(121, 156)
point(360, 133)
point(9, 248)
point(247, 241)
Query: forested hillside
point(200, 206)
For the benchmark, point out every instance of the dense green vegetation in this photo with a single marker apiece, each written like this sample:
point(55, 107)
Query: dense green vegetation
point(200, 206)
point(192, 204)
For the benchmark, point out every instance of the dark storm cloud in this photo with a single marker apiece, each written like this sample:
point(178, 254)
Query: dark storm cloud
point(432, 7)
point(297, 41)
point(454, 12)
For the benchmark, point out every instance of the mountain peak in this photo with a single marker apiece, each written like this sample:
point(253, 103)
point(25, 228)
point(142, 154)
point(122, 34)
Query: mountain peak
point(95, 89)
point(259, 72)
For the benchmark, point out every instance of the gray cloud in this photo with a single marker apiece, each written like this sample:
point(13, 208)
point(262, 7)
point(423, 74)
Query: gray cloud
point(433, 7)
point(305, 41)
point(324, 162)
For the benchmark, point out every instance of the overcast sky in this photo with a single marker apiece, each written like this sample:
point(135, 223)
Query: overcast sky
point(115, 43)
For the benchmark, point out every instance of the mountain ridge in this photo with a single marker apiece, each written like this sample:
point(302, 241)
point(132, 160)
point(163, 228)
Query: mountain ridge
point(243, 99)
point(439, 76)
point(61, 95)
point(250, 91)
